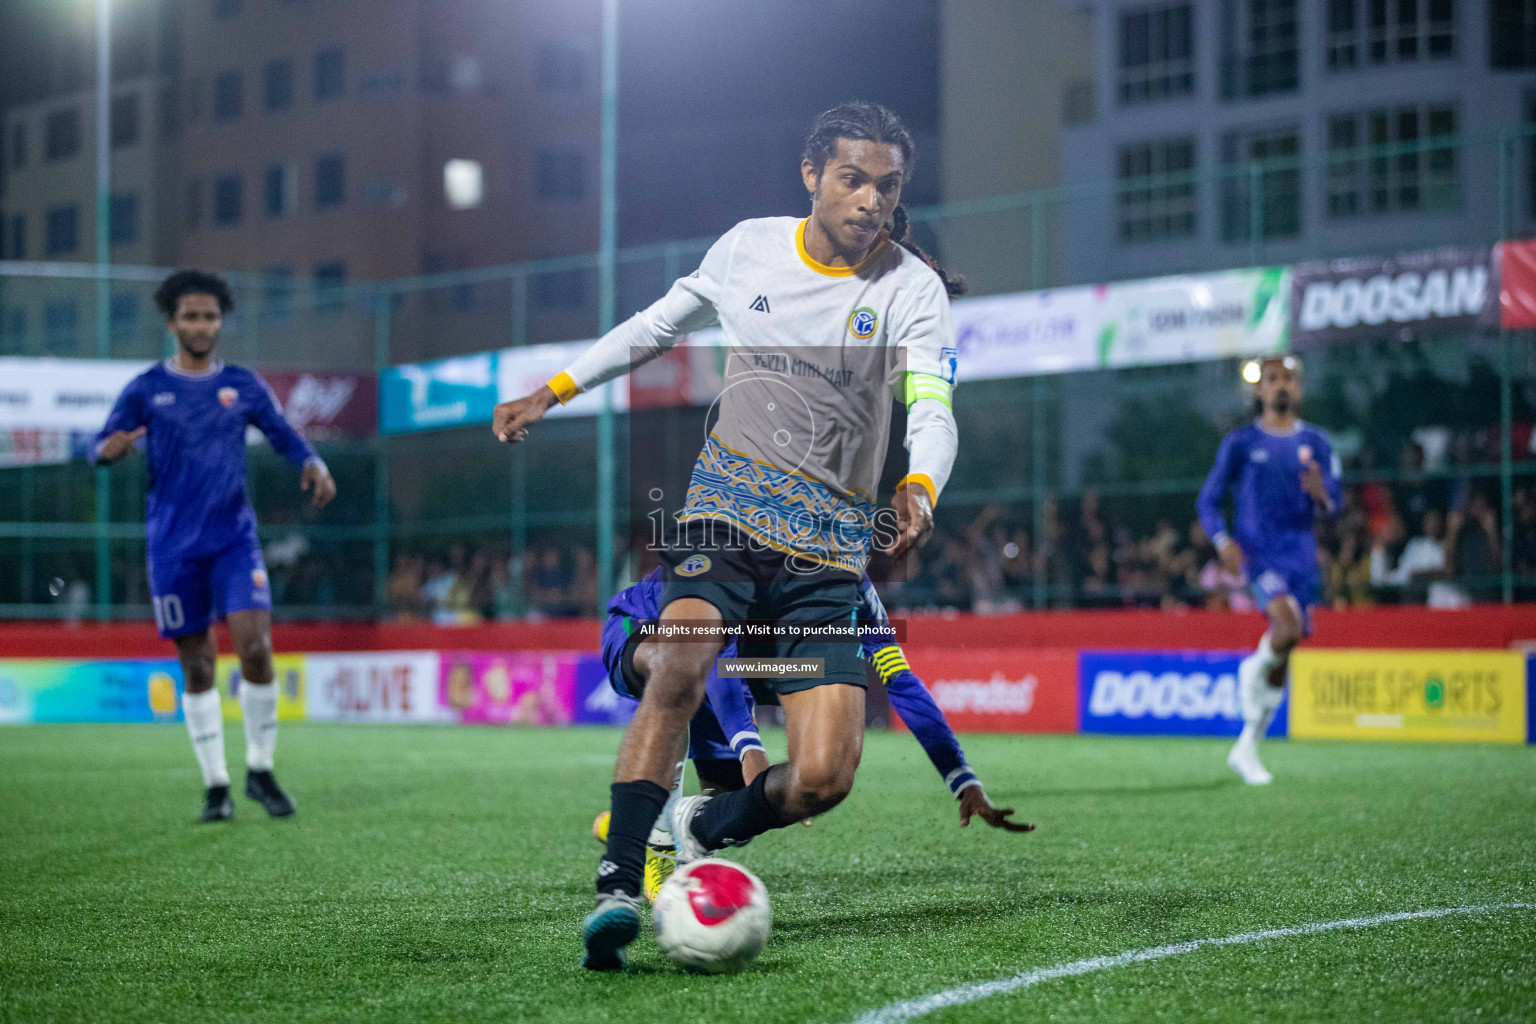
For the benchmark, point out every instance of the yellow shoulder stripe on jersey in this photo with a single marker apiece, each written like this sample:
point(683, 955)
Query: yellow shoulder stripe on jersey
point(889, 661)
point(821, 268)
point(925, 481)
point(926, 385)
point(564, 387)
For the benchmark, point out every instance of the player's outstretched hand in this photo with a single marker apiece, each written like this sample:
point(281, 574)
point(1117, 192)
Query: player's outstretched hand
point(318, 479)
point(914, 519)
point(120, 444)
point(511, 420)
point(973, 800)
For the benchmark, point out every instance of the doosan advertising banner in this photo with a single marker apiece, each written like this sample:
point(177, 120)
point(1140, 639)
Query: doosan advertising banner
point(1373, 296)
point(1164, 693)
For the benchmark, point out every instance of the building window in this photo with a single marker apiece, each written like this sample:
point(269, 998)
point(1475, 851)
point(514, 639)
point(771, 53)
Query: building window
point(62, 134)
point(62, 230)
point(330, 181)
point(123, 219)
point(276, 292)
point(195, 202)
point(1377, 32)
point(279, 190)
point(1393, 160)
point(562, 289)
point(16, 238)
point(170, 112)
point(330, 73)
point(563, 65)
point(61, 326)
point(1157, 53)
point(18, 153)
point(228, 199)
point(123, 315)
point(125, 120)
point(330, 279)
point(1259, 53)
point(277, 85)
point(1512, 33)
point(228, 96)
point(1157, 190)
point(226, 9)
point(1276, 211)
point(13, 329)
point(561, 175)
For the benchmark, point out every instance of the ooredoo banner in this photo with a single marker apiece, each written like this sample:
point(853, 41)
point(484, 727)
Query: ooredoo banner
point(1000, 690)
point(399, 686)
point(1164, 693)
point(1375, 296)
point(1476, 696)
point(509, 688)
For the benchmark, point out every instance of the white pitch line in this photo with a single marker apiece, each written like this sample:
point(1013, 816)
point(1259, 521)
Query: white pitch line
point(962, 994)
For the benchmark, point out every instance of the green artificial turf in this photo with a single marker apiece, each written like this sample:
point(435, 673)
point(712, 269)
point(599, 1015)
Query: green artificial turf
point(441, 874)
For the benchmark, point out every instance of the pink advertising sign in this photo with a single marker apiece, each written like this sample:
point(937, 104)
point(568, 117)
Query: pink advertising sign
point(509, 688)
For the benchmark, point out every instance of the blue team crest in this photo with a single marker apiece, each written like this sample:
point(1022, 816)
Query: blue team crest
point(693, 565)
point(949, 361)
point(862, 322)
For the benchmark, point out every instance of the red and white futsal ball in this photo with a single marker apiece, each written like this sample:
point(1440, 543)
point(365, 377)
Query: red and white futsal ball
point(712, 916)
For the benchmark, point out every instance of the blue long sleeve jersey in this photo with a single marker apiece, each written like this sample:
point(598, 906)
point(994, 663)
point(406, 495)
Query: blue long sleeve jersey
point(910, 699)
point(1274, 514)
point(195, 446)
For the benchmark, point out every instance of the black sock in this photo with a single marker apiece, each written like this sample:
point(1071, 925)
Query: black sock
point(634, 809)
point(734, 819)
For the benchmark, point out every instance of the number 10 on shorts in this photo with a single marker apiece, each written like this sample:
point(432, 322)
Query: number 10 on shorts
point(168, 613)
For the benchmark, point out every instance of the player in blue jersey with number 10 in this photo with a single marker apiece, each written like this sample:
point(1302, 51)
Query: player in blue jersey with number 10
point(1284, 475)
point(192, 411)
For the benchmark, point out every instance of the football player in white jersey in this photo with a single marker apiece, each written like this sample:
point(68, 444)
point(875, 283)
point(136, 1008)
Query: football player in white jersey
point(824, 319)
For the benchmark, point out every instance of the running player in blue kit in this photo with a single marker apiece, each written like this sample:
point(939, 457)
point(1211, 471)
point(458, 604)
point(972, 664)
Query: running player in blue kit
point(723, 741)
point(192, 411)
point(1284, 475)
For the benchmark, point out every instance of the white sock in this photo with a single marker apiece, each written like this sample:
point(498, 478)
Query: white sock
point(1266, 656)
point(661, 835)
point(205, 724)
point(258, 706)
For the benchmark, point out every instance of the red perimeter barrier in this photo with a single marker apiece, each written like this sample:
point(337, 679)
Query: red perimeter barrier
point(1486, 626)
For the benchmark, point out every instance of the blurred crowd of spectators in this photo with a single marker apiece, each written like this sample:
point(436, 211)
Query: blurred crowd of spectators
point(1436, 542)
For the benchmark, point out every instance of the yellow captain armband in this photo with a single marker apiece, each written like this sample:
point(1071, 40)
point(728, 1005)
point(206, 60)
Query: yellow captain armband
point(564, 387)
point(888, 661)
point(926, 385)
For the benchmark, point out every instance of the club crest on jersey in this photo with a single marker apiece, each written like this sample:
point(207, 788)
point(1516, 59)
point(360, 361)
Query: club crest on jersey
point(862, 322)
point(1304, 453)
point(259, 578)
point(227, 397)
point(693, 565)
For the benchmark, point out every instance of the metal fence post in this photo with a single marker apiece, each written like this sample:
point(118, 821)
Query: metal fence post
point(1037, 256)
point(519, 308)
point(1255, 211)
point(382, 299)
point(1037, 489)
point(519, 529)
